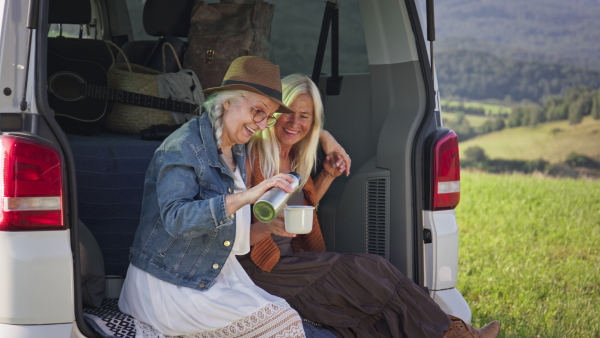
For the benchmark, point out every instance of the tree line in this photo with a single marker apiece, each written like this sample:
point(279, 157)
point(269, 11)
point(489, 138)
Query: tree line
point(574, 105)
point(477, 75)
point(575, 165)
point(541, 30)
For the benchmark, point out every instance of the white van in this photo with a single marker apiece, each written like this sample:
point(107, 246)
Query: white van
point(380, 104)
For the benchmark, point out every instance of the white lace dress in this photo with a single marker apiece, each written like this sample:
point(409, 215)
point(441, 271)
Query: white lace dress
point(233, 307)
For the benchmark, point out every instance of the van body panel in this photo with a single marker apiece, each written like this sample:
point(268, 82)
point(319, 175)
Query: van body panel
point(389, 40)
point(442, 253)
point(36, 283)
point(453, 303)
point(378, 123)
point(14, 37)
point(38, 331)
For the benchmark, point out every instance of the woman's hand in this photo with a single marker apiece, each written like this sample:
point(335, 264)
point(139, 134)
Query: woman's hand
point(235, 201)
point(334, 164)
point(282, 181)
point(330, 146)
point(260, 230)
point(277, 227)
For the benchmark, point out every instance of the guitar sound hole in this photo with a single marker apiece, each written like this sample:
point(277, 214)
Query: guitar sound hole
point(67, 86)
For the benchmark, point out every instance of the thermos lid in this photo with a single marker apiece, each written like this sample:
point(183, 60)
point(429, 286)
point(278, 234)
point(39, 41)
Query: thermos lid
point(294, 174)
point(264, 211)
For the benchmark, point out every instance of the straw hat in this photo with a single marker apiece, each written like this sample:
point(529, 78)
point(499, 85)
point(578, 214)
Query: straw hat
point(256, 75)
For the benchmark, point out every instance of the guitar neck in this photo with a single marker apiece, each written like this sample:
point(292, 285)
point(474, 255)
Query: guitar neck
point(137, 99)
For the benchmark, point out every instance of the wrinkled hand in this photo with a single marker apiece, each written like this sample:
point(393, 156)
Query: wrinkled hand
point(277, 227)
point(282, 181)
point(335, 165)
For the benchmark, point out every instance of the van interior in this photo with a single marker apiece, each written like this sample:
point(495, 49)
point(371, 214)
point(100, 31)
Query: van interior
point(373, 108)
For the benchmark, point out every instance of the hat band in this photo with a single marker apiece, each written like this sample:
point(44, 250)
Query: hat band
point(266, 90)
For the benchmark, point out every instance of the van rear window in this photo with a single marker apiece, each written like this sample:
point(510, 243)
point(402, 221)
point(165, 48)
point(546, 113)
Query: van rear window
point(295, 35)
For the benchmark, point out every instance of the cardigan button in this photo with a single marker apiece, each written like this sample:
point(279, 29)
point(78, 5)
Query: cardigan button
point(215, 266)
point(227, 243)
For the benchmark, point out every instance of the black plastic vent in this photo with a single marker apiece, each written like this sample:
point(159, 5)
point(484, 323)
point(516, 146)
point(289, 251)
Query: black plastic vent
point(377, 216)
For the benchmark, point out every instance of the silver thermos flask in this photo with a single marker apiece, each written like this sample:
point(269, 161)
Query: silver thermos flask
point(270, 203)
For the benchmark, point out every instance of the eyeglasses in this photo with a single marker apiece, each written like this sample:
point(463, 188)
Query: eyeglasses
point(260, 115)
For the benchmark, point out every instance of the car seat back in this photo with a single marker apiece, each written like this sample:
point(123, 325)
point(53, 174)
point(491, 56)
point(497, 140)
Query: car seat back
point(168, 21)
point(74, 62)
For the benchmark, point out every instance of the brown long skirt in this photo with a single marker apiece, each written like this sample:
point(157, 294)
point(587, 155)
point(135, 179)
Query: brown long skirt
point(354, 295)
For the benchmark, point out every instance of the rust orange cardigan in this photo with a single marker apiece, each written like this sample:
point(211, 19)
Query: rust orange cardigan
point(265, 254)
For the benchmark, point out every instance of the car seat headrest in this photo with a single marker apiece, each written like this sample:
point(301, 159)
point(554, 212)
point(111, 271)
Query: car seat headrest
point(77, 12)
point(167, 17)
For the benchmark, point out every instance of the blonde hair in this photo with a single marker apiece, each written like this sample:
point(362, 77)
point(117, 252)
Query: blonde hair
point(214, 108)
point(305, 151)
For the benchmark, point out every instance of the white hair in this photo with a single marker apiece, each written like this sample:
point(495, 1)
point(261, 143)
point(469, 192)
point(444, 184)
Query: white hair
point(214, 108)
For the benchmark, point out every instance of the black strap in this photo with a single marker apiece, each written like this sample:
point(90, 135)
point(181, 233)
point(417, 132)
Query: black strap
point(331, 16)
point(155, 49)
point(334, 83)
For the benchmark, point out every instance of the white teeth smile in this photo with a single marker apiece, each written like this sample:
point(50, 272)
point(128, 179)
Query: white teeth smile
point(290, 131)
point(250, 129)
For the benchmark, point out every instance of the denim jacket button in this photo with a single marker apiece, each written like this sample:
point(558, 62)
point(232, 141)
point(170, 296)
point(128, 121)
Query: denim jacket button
point(215, 266)
point(229, 190)
point(227, 243)
point(202, 285)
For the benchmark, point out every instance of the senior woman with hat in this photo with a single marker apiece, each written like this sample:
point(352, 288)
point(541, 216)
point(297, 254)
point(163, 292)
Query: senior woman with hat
point(184, 279)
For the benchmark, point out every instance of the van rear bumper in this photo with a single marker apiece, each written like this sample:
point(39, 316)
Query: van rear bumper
point(68, 330)
point(453, 303)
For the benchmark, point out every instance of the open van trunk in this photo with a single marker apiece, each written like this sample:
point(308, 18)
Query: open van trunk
point(379, 104)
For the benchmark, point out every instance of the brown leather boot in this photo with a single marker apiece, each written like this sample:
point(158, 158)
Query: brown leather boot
point(460, 329)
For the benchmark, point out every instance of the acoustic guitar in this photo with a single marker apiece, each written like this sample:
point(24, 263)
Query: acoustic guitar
point(79, 106)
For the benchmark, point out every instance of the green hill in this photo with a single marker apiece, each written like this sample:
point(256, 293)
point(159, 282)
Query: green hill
point(551, 141)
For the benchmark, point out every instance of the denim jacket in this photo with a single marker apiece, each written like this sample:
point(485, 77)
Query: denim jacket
point(185, 235)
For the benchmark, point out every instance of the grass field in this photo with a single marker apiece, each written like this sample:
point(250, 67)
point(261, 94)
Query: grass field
point(530, 252)
point(551, 141)
point(490, 109)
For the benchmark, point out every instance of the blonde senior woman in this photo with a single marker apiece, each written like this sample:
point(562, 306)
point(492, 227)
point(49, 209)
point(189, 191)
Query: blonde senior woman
point(353, 295)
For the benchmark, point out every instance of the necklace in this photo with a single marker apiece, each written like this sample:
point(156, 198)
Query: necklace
point(227, 160)
point(227, 157)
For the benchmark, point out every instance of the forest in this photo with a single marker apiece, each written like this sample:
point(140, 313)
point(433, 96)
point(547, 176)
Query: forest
point(541, 57)
point(476, 75)
point(550, 31)
point(574, 105)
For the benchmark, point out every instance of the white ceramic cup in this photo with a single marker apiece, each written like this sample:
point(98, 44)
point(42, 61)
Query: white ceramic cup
point(298, 218)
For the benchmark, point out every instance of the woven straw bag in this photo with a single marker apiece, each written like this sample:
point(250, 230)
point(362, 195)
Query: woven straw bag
point(129, 77)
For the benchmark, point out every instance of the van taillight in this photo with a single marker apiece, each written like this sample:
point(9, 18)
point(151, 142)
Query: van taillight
point(446, 175)
point(31, 186)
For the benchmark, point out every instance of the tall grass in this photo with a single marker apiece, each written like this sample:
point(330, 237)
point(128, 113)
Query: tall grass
point(530, 254)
